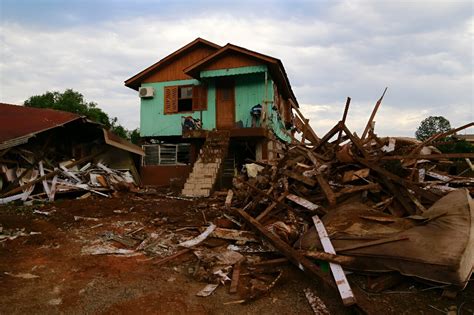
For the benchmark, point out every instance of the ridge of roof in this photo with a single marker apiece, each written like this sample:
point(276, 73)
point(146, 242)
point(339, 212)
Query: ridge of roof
point(131, 82)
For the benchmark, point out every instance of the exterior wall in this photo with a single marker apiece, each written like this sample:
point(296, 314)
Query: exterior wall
point(153, 121)
point(164, 175)
point(250, 90)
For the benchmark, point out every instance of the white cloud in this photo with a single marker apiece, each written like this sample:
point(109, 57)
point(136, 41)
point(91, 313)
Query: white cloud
point(350, 48)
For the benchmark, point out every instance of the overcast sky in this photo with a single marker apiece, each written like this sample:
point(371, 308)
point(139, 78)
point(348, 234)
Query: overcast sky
point(422, 50)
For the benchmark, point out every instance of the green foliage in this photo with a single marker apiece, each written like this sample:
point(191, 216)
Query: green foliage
point(456, 146)
point(72, 101)
point(432, 125)
point(134, 135)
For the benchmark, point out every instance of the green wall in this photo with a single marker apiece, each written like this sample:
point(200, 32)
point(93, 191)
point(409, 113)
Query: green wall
point(249, 91)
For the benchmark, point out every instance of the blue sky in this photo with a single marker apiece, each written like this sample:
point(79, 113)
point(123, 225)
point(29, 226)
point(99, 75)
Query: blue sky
point(422, 50)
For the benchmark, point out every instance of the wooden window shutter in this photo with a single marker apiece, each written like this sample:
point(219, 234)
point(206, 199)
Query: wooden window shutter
point(171, 99)
point(199, 97)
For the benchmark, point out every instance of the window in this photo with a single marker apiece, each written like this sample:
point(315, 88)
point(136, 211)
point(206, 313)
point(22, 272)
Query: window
point(166, 154)
point(185, 98)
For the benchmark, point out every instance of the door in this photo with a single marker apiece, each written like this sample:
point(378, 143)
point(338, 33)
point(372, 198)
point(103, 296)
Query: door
point(225, 104)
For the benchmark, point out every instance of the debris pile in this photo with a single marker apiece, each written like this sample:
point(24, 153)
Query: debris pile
point(26, 179)
point(360, 203)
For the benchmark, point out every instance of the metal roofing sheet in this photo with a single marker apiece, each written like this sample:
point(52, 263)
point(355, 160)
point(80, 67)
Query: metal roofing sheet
point(23, 122)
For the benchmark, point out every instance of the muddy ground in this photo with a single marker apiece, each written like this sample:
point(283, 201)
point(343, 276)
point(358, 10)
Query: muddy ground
point(46, 273)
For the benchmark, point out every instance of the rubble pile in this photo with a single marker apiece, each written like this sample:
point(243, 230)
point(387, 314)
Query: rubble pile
point(26, 179)
point(364, 203)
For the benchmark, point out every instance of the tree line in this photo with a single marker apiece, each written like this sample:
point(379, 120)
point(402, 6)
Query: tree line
point(74, 102)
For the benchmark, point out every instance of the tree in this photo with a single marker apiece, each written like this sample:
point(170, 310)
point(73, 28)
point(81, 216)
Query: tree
point(72, 101)
point(134, 135)
point(432, 125)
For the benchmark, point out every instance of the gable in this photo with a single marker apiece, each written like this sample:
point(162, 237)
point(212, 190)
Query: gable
point(230, 60)
point(171, 67)
point(174, 69)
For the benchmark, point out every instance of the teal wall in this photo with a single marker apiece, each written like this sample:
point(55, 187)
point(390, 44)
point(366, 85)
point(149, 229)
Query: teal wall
point(153, 121)
point(249, 91)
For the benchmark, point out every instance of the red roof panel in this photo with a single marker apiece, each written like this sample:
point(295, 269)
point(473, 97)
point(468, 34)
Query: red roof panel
point(18, 121)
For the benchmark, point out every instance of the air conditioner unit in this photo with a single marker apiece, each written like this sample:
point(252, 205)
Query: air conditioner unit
point(146, 91)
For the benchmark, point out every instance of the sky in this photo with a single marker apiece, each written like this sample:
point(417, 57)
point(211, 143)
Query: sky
point(421, 50)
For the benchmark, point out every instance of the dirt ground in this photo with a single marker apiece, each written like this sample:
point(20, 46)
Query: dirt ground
point(47, 273)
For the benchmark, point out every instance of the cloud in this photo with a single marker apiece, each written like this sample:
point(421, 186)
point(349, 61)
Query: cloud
point(330, 50)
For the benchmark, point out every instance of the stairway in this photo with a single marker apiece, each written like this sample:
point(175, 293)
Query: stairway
point(206, 169)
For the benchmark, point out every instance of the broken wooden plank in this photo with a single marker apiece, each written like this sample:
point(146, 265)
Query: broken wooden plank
point(228, 199)
point(51, 174)
point(386, 174)
point(260, 192)
point(342, 283)
point(235, 277)
point(198, 239)
point(300, 261)
point(69, 173)
point(333, 258)
point(353, 189)
point(271, 207)
point(303, 202)
point(327, 190)
point(372, 116)
point(271, 262)
point(352, 175)
point(299, 177)
point(343, 120)
point(234, 235)
point(45, 183)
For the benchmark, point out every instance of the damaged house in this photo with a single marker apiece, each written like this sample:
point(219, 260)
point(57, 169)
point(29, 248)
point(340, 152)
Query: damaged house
point(206, 109)
point(46, 152)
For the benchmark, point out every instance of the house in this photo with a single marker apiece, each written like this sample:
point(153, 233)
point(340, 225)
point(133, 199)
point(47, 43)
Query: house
point(30, 135)
point(206, 109)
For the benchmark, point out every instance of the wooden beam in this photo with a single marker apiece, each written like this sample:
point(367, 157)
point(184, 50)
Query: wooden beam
point(333, 258)
point(343, 120)
point(303, 202)
point(271, 207)
point(302, 262)
point(350, 190)
point(327, 190)
point(372, 116)
point(342, 283)
point(235, 277)
point(405, 183)
point(299, 177)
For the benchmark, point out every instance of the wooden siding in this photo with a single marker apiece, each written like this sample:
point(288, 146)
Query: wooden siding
point(232, 60)
point(174, 70)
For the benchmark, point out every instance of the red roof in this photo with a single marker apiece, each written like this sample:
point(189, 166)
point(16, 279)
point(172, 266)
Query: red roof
point(19, 121)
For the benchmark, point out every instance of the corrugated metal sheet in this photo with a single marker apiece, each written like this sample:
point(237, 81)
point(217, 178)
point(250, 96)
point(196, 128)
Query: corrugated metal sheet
point(24, 122)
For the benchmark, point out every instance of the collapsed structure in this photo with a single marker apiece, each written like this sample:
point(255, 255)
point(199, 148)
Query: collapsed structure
point(44, 152)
